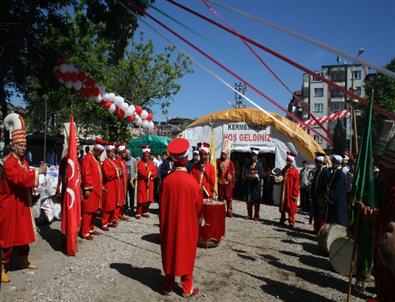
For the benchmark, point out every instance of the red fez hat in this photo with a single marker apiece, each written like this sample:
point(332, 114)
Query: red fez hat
point(178, 148)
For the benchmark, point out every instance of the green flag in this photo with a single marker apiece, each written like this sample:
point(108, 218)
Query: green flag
point(364, 187)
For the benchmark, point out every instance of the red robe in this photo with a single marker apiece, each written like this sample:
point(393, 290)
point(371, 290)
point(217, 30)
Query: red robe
point(110, 184)
point(289, 188)
point(92, 179)
point(226, 179)
point(180, 205)
point(384, 278)
point(205, 177)
point(146, 173)
point(16, 220)
point(123, 181)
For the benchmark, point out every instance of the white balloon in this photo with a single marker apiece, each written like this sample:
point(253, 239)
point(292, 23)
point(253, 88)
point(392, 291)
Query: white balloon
point(98, 98)
point(130, 110)
point(138, 121)
point(64, 68)
point(151, 125)
point(145, 124)
point(112, 108)
point(124, 106)
point(118, 100)
point(77, 85)
point(106, 96)
point(144, 114)
point(69, 84)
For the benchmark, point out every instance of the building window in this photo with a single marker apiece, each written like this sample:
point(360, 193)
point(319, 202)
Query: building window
point(357, 90)
point(337, 107)
point(318, 92)
point(338, 75)
point(318, 107)
point(356, 74)
point(336, 93)
point(318, 139)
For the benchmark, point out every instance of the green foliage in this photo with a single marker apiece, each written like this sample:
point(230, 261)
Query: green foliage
point(96, 37)
point(384, 91)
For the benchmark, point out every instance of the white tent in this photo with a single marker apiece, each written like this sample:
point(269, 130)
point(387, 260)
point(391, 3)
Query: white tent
point(248, 127)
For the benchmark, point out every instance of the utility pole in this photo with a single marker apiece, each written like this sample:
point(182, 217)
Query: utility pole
point(242, 88)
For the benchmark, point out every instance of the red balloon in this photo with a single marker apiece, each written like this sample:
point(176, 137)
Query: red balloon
point(139, 109)
point(95, 91)
point(90, 82)
point(84, 91)
point(67, 77)
point(74, 76)
point(131, 118)
point(81, 76)
point(57, 73)
point(120, 112)
point(150, 117)
point(107, 104)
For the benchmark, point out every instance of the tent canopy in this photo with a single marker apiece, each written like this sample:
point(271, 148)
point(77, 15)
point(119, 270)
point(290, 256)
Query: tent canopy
point(284, 135)
point(158, 144)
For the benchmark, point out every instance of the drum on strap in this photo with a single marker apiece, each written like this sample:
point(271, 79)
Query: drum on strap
point(211, 223)
point(340, 255)
point(329, 233)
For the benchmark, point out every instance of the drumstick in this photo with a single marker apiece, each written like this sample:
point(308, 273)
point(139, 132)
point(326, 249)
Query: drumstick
point(205, 191)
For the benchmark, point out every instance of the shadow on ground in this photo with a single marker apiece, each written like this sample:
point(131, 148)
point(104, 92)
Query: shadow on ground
point(154, 238)
point(148, 276)
point(54, 237)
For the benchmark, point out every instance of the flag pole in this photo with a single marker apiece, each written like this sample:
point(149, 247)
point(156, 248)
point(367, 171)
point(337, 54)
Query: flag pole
point(357, 219)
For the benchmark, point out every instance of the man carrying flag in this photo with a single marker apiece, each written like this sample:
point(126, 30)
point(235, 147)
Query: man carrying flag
point(72, 198)
point(381, 212)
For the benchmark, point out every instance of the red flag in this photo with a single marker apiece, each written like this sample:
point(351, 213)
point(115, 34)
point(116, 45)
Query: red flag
point(71, 215)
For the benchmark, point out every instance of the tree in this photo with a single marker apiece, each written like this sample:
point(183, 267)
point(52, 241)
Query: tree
point(35, 33)
point(384, 91)
point(383, 96)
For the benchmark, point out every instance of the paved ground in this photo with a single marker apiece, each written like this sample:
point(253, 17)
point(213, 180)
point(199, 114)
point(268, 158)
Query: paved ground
point(257, 261)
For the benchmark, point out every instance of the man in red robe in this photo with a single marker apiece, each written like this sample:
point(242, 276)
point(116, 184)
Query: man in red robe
point(120, 160)
point(289, 190)
point(17, 227)
point(180, 205)
point(204, 172)
point(92, 186)
point(383, 218)
point(226, 178)
point(146, 173)
point(111, 177)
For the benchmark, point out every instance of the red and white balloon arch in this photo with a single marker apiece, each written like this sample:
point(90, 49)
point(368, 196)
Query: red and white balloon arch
point(87, 86)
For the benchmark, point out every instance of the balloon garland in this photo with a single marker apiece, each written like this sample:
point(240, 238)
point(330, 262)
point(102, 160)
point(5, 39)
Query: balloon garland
point(73, 78)
point(331, 117)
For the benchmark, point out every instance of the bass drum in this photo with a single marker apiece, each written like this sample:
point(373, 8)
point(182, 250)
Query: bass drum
point(340, 255)
point(211, 223)
point(328, 234)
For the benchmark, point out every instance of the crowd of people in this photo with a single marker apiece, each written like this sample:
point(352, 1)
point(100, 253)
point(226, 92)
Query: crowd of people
point(121, 182)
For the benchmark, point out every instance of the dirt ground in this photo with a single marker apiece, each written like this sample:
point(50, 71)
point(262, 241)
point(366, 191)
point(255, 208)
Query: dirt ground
point(256, 261)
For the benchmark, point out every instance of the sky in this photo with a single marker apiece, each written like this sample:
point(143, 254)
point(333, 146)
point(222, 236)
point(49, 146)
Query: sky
point(347, 25)
point(344, 24)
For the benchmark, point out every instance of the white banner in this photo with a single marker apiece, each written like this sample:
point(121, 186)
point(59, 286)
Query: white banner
point(248, 134)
